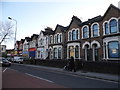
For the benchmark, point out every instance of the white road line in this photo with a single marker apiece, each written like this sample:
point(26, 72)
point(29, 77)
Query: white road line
point(100, 79)
point(39, 78)
point(4, 69)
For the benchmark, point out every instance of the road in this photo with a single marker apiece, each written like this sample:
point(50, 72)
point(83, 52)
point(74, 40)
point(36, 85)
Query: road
point(22, 76)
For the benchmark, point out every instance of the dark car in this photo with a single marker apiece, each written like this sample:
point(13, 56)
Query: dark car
point(4, 62)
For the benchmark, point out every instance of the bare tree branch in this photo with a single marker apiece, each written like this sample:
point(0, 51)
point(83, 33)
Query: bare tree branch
point(6, 31)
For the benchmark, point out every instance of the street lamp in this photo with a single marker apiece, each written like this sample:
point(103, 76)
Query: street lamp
point(15, 30)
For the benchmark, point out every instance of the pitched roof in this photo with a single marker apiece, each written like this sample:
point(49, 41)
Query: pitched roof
point(111, 6)
point(99, 18)
point(92, 20)
point(34, 35)
point(74, 19)
point(27, 39)
point(49, 31)
point(62, 28)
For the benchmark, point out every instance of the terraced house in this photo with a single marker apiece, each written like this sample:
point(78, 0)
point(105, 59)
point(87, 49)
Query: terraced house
point(58, 46)
point(73, 38)
point(25, 52)
point(100, 36)
point(96, 39)
point(42, 48)
point(33, 46)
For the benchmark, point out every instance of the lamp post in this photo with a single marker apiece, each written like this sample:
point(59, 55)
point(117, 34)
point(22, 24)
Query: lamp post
point(15, 31)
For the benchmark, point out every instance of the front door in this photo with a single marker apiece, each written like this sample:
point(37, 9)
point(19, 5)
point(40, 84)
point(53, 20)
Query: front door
point(95, 53)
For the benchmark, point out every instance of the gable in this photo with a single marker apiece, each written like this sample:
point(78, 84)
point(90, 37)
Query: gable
point(112, 11)
point(58, 29)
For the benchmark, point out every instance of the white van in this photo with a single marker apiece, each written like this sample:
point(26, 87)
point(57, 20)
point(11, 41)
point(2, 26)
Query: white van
point(18, 59)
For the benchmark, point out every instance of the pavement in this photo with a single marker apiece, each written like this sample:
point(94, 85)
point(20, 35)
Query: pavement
point(109, 77)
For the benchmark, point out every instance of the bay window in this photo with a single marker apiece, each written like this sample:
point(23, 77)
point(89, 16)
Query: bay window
point(113, 49)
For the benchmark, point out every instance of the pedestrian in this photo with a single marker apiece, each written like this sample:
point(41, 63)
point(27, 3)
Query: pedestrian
point(72, 64)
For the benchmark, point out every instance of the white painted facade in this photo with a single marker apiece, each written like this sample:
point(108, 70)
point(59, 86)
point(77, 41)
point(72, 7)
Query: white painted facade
point(42, 50)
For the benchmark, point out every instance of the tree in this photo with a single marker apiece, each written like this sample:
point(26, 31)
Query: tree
point(6, 31)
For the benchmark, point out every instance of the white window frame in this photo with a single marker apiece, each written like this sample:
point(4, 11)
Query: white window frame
point(104, 28)
point(110, 39)
point(92, 29)
point(75, 34)
point(74, 45)
point(51, 38)
point(88, 31)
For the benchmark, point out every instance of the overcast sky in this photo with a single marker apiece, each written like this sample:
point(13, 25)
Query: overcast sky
point(34, 15)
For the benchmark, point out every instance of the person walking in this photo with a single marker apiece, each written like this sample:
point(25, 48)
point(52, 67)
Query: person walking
point(72, 64)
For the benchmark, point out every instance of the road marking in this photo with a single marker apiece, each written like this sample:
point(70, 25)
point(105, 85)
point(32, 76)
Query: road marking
point(39, 78)
point(4, 69)
point(83, 76)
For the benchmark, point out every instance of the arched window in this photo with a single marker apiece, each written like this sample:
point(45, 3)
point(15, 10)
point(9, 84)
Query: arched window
point(119, 24)
point(69, 36)
point(113, 49)
point(55, 53)
point(60, 38)
point(85, 32)
point(113, 26)
point(95, 29)
point(59, 52)
point(73, 35)
point(71, 51)
point(51, 39)
point(77, 34)
point(106, 28)
point(77, 52)
point(55, 39)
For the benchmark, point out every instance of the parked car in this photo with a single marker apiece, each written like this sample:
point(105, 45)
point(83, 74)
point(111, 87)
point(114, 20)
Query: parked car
point(18, 59)
point(4, 62)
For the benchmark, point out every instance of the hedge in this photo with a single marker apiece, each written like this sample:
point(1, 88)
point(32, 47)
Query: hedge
point(101, 66)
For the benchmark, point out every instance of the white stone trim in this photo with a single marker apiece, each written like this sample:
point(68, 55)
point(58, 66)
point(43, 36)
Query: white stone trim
point(73, 44)
point(86, 43)
point(52, 39)
point(117, 19)
point(117, 23)
point(110, 39)
point(92, 29)
point(75, 32)
point(95, 42)
point(58, 46)
point(88, 31)
point(104, 27)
